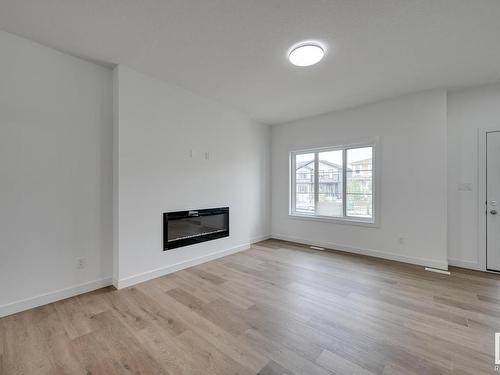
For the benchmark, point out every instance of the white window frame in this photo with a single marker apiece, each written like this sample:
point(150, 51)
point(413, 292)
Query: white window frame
point(352, 220)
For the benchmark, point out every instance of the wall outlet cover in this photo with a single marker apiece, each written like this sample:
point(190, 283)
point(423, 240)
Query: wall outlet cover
point(81, 263)
point(467, 186)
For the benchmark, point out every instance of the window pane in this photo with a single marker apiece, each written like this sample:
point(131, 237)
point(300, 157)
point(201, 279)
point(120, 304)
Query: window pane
point(330, 180)
point(304, 183)
point(359, 188)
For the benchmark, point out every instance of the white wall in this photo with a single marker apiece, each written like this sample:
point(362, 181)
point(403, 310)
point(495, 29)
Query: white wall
point(413, 178)
point(55, 174)
point(468, 110)
point(56, 170)
point(158, 124)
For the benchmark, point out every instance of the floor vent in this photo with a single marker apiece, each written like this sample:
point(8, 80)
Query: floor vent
point(317, 248)
point(437, 271)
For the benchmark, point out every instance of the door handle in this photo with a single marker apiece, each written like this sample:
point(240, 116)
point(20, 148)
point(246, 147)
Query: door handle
point(493, 212)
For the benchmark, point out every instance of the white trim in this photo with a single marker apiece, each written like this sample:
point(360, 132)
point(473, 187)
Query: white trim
point(355, 144)
point(369, 252)
point(260, 238)
point(46, 298)
point(481, 198)
point(464, 264)
point(335, 220)
point(153, 274)
point(481, 194)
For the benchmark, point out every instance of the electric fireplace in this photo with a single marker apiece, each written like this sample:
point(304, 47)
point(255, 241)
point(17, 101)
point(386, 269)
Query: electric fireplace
point(182, 228)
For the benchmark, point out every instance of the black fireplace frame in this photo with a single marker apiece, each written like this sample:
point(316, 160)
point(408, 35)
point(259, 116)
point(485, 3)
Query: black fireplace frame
point(198, 239)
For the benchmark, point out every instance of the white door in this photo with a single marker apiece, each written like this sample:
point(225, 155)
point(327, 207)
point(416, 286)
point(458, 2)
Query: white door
point(493, 201)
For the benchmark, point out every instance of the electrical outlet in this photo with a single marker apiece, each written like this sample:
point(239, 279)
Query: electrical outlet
point(465, 187)
point(81, 263)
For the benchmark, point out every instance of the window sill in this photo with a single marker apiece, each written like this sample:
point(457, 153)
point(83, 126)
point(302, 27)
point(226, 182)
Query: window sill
point(335, 220)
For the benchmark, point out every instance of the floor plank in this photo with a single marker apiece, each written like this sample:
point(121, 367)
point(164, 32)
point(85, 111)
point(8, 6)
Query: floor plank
point(277, 308)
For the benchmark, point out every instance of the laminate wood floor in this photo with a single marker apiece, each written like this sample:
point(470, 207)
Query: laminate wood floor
point(278, 308)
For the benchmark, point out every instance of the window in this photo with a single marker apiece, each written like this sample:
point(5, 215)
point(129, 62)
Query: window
point(333, 183)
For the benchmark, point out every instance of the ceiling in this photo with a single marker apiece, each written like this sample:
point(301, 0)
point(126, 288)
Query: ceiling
point(234, 51)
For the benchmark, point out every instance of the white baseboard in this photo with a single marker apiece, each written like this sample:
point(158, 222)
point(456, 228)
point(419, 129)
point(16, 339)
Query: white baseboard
point(260, 238)
point(43, 299)
point(153, 274)
point(464, 264)
point(370, 252)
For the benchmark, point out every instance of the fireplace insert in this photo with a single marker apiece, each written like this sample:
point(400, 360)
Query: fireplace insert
point(182, 228)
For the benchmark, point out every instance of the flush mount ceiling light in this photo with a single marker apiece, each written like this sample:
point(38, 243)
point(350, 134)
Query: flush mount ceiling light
point(306, 54)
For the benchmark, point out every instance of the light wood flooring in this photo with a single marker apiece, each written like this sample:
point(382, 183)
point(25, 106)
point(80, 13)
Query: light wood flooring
point(278, 308)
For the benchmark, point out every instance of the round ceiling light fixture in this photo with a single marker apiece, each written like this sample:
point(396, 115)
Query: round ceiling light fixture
point(306, 54)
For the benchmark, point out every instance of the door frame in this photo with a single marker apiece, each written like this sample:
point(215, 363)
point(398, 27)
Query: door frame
point(481, 196)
